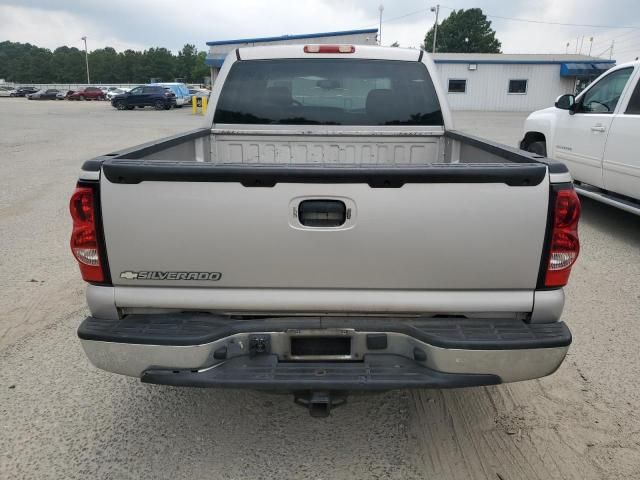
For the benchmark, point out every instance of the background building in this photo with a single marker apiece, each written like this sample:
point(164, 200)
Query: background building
point(219, 49)
point(508, 82)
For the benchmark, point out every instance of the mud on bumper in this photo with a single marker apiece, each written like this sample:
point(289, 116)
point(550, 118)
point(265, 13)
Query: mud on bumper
point(204, 350)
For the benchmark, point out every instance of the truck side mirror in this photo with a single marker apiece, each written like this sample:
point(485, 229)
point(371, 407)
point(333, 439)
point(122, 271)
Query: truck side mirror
point(566, 102)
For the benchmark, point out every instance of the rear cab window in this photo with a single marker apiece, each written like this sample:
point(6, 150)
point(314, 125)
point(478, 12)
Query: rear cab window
point(328, 92)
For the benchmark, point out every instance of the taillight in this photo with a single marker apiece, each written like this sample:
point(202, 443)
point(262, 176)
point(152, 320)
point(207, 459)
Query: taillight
point(329, 49)
point(84, 236)
point(564, 245)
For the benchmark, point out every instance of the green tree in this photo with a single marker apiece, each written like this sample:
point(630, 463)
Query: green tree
point(464, 31)
point(131, 67)
point(68, 65)
point(200, 69)
point(158, 63)
point(104, 65)
point(186, 62)
point(26, 63)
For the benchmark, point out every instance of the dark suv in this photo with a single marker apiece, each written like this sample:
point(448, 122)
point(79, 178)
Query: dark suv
point(145, 96)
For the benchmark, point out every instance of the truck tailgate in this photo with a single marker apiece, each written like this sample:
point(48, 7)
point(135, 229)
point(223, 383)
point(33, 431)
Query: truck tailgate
point(463, 232)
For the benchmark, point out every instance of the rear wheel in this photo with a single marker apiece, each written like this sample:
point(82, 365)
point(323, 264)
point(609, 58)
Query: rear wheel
point(120, 105)
point(539, 148)
point(158, 105)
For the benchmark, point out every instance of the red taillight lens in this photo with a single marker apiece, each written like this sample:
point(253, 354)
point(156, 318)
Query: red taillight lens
point(564, 245)
point(329, 49)
point(84, 237)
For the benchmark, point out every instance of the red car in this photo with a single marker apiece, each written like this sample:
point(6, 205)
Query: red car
point(86, 93)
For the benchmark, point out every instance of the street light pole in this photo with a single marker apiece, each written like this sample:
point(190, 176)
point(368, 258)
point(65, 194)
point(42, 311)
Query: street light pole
point(86, 57)
point(435, 27)
point(381, 9)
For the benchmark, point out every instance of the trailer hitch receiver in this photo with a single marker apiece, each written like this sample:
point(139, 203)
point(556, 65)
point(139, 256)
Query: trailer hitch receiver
point(320, 403)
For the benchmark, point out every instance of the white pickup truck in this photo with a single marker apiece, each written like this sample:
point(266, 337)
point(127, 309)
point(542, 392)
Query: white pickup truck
point(596, 135)
point(326, 231)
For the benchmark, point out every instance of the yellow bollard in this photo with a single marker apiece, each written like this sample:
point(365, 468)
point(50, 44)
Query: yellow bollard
point(194, 104)
point(204, 105)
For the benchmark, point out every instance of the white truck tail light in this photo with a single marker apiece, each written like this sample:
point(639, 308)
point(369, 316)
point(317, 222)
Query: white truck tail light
point(85, 245)
point(329, 49)
point(564, 245)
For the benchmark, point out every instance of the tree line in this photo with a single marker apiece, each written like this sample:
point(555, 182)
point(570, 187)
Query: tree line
point(27, 63)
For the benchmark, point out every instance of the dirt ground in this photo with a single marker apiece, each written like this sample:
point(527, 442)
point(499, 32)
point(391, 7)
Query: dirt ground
point(62, 418)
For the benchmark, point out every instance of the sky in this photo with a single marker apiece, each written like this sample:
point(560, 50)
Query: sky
point(141, 24)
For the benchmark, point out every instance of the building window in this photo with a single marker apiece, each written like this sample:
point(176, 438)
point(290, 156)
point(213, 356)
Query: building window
point(518, 86)
point(457, 86)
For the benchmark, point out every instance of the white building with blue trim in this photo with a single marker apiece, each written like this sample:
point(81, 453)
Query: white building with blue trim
point(513, 82)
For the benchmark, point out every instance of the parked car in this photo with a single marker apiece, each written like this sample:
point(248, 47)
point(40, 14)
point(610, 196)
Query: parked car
point(116, 91)
point(327, 231)
point(596, 135)
point(87, 93)
point(44, 94)
point(24, 91)
point(106, 90)
point(198, 95)
point(145, 96)
point(180, 90)
point(8, 91)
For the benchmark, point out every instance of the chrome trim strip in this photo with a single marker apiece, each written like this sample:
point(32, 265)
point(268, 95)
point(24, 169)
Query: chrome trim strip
point(560, 177)
point(600, 197)
point(86, 175)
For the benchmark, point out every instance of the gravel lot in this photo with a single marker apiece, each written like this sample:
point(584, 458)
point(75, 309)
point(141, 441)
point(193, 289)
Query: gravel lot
point(61, 418)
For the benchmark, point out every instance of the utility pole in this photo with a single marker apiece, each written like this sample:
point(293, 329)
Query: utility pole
point(435, 9)
point(566, 48)
point(381, 9)
point(581, 42)
point(613, 42)
point(86, 57)
point(590, 45)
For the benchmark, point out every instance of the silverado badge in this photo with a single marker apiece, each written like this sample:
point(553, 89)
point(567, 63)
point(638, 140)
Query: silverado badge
point(211, 276)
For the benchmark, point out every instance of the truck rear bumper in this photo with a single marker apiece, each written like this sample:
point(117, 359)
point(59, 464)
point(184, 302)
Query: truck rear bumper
point(379, 353)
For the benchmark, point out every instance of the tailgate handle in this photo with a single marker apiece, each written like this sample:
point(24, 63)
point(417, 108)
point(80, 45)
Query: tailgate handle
point(322, 213)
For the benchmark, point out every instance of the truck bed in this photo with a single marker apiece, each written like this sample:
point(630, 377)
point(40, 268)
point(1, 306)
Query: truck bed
point(237, 218)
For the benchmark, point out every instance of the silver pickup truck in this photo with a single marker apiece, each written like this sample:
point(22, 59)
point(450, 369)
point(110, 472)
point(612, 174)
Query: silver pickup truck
point(326, 231)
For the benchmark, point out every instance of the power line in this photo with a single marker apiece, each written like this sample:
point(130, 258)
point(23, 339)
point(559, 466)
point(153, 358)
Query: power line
point(397, 18)
point(525, 20)
point(633, 38)
point(528, 20)
point(626, 50)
